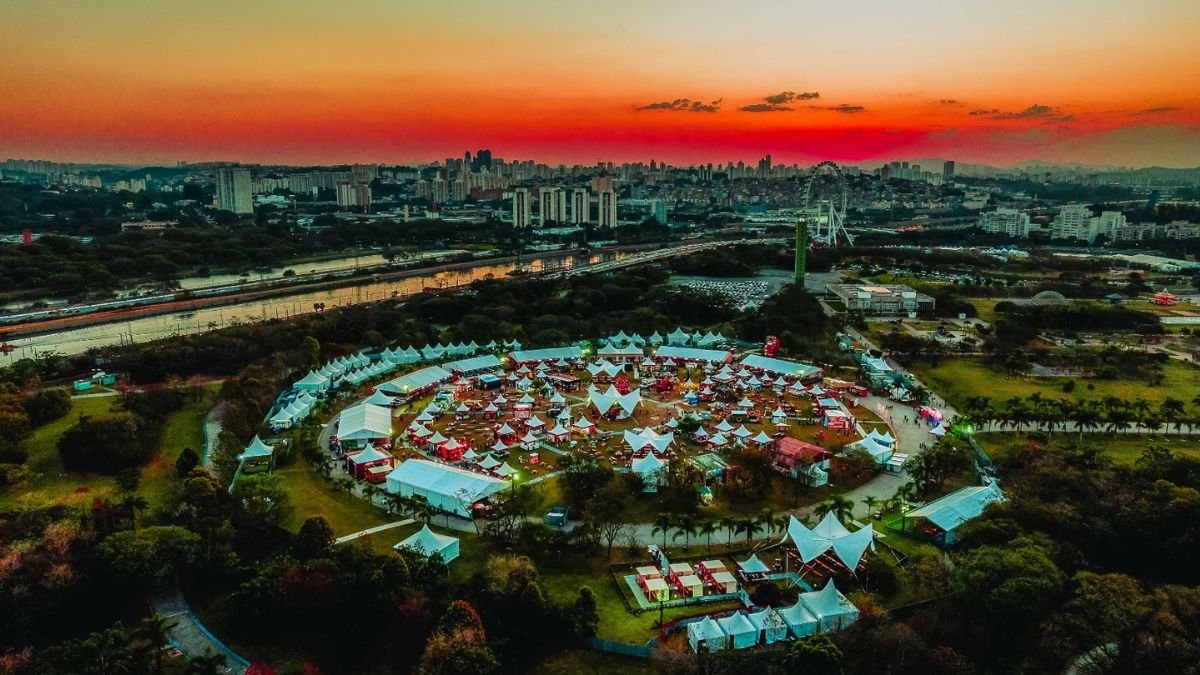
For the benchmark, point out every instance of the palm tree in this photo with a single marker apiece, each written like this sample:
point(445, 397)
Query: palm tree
point(730, 523)
point(662, 523)
point(1171, 410)
point(685, 526)
point(870, 501)
point(1087, 417)
point(1118, 420)
point(751, 526)
point(209, 664)
point(156, 630)
point(370, 491)
point(838, 505)
point(767, 519)
point(132, 504)
point(707, 529)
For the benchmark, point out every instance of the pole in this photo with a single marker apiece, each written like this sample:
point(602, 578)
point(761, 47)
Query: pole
point(801, 249)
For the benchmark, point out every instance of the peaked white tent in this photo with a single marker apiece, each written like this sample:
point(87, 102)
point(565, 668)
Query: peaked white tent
point(643, 438)
point(771, 627)
point(706, 634)
point(831, 609)
point(885, 439)
point(830, 535)
point(800, 621)
point(313, 381)
point(427, 542)
point(625, 404)
point(378, 398)
point(365, 422)
point(742, 634)
point(650, 469)
point(256, 450)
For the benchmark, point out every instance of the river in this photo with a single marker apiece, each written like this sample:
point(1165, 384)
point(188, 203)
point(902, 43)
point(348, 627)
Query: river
point(145, 329)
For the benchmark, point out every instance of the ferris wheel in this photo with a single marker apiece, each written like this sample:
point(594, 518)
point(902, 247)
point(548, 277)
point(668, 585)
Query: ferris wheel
point(823, 209)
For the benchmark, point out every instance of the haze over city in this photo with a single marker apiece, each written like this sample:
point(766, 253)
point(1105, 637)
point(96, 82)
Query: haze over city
point(1106, 83)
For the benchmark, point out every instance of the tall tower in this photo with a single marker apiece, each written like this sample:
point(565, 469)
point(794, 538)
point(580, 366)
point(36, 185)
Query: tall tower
point(234, 190)
point(801, 250)
point(522, 211)
point(581, 206)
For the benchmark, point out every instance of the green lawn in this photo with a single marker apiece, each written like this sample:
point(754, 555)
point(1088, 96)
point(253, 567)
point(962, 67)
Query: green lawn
point(50, 483)
point(311, 496)
point(959, 379)
point(1122, 449)
point(183, 429)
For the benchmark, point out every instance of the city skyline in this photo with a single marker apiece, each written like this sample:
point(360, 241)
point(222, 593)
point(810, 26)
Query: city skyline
point(1102, 83)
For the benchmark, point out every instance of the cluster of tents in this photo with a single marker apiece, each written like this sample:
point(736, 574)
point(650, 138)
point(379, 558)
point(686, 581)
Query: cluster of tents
point(620, 405)
point(824, 611)
point(410, 354)
point(293, 412)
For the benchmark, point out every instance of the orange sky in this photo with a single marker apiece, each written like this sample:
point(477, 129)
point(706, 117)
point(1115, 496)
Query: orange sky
point(1098, 81)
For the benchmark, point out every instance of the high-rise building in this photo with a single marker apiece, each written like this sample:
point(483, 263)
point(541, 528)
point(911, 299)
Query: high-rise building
point(581, 206)
point(354, 195)
point(607, 201)
point(364, 173)
point(658, 209)
point(1073, 221)
point(522, 210)
point(441, 191)
point(947, 170)
point(1012, 222)
point(602, 184)
point(234, 192)
point(552, 205)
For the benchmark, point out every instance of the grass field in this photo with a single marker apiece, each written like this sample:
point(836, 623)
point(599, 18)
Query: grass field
point(50, 484)
point(959, 379)
point(1122, 449)
point(311, 496)
point(578, 661)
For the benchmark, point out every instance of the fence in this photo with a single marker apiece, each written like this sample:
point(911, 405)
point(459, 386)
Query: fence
point(622, 648)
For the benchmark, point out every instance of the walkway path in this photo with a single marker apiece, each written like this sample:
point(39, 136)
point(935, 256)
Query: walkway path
point(373, 530)
point(190, 636)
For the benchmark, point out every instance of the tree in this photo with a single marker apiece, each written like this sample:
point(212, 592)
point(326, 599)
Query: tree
point(188, 460)
point(685, 526)
point(814, 655)
point(150, 556)
point(460, 617)
point(156, 631)
point(47, 405)
point(208, 664)
point(662, 523)
point(841, 507)
point(585, 614)
point(103, 445)
point(581, 481)
point(132, 504)
point(1101, 609)
point(1012, 585)
point(450, 655)
point(870, 501)
point(606, 513)
point(751, 526)
point(707, 528)
point(315, 537)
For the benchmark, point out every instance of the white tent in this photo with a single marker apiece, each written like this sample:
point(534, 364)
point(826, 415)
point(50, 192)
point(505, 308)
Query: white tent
point(313, 381)
point(800, 621)
point(378, 398)
point(742, 634)
point(256, 450)
point(753, 565)
point(940, 430)
point(639, 439)
point(706, 634)
point(831, 609)
point(771, 627)
point(830, 534)
point(881, 453)
point(624, 403)
point(365, 422)
point(650, 468)
point(885, 439)
point(762, 438)
point(958, 507)
point(444, 487)
point(427, 542)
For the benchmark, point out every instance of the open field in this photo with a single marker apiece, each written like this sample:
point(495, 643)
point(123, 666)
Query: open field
point(1123, 449)
point(311, 496)
point(959, 379)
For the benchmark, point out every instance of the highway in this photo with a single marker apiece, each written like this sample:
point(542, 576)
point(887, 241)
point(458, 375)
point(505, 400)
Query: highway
point(144, 324)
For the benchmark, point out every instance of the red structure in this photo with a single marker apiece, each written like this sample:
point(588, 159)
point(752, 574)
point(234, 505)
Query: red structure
point(359, 463)
point(1165, 298)
point(771, 348)
point(793, 453)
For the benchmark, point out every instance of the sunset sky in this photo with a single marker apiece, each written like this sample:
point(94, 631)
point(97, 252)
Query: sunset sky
point(307, 81)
